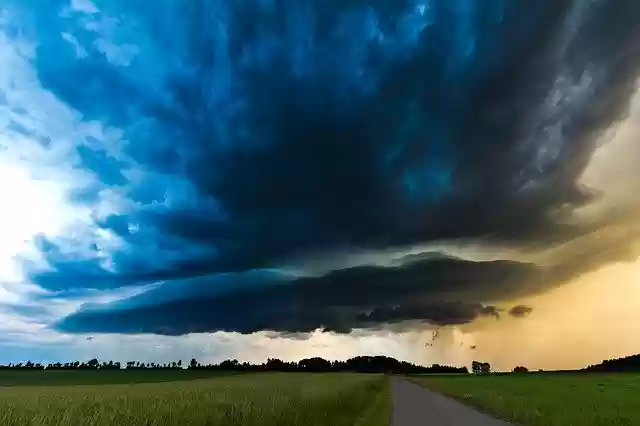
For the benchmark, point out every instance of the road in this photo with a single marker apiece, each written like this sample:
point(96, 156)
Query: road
point(414, 405)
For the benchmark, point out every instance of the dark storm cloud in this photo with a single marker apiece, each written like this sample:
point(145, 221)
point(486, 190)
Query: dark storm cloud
point(520, 311)
point(440, 291)
point(266, 131)
point(447, 114)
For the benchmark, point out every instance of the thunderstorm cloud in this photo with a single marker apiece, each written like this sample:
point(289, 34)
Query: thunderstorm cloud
point(295, 165)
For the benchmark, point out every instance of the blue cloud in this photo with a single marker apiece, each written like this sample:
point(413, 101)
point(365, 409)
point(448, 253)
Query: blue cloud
point(108, 170)
point(219, 138)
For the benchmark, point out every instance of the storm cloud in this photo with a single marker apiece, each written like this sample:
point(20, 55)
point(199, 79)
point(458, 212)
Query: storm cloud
point(437, 291)
point(246, 136)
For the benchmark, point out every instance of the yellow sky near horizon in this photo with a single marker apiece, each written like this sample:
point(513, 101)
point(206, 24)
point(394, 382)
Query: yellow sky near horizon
point(594, 317)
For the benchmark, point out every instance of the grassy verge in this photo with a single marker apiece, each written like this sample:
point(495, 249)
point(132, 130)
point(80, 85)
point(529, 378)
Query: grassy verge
point(548, 400)
point(379, 412)
point(251, 400)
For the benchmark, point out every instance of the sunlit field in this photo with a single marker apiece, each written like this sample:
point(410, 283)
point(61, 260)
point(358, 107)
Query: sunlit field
point(548, 399)
point(249, 399)
point(13, 377)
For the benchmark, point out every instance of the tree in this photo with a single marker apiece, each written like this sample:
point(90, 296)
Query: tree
point(520, 369)
point(480, 368)
point(317, 365)
point(193, 363)
point(229, 364)
point(179, 363)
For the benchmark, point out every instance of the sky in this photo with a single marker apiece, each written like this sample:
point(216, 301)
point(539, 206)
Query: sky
point(277, 178)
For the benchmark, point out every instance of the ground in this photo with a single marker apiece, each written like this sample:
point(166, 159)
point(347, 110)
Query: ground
point(548, 399)
point(105, 398)
point(249, 399)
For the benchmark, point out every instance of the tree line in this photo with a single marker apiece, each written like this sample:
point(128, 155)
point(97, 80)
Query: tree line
point(360, 364)
point(92, 364)
point(626, 364)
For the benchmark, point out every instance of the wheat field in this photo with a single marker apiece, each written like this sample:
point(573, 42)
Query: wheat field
point(252, 399)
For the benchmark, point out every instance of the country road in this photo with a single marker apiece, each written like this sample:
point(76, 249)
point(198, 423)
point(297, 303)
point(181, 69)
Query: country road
point(414, 405)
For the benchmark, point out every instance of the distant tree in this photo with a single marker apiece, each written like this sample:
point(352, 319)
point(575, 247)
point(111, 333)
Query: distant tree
point(179, 363)
point(274, 364)
point(316, 365)
point(520, 369)
point(193, 363)
point(229, 365)
point(480, 367)
point(93, 363)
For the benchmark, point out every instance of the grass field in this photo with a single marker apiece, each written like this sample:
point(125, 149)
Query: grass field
point(97, 377)
point(251, 399)
point(547, 399)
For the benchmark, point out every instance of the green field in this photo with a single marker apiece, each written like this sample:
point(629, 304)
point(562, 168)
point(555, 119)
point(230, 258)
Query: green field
point(548, 399)
point(97, 377)
point(250, 399)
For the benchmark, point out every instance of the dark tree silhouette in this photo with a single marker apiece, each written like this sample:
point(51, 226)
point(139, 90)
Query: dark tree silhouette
point(363, 364)
point(626, 364)
point(480, 368)
point(316, 365)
